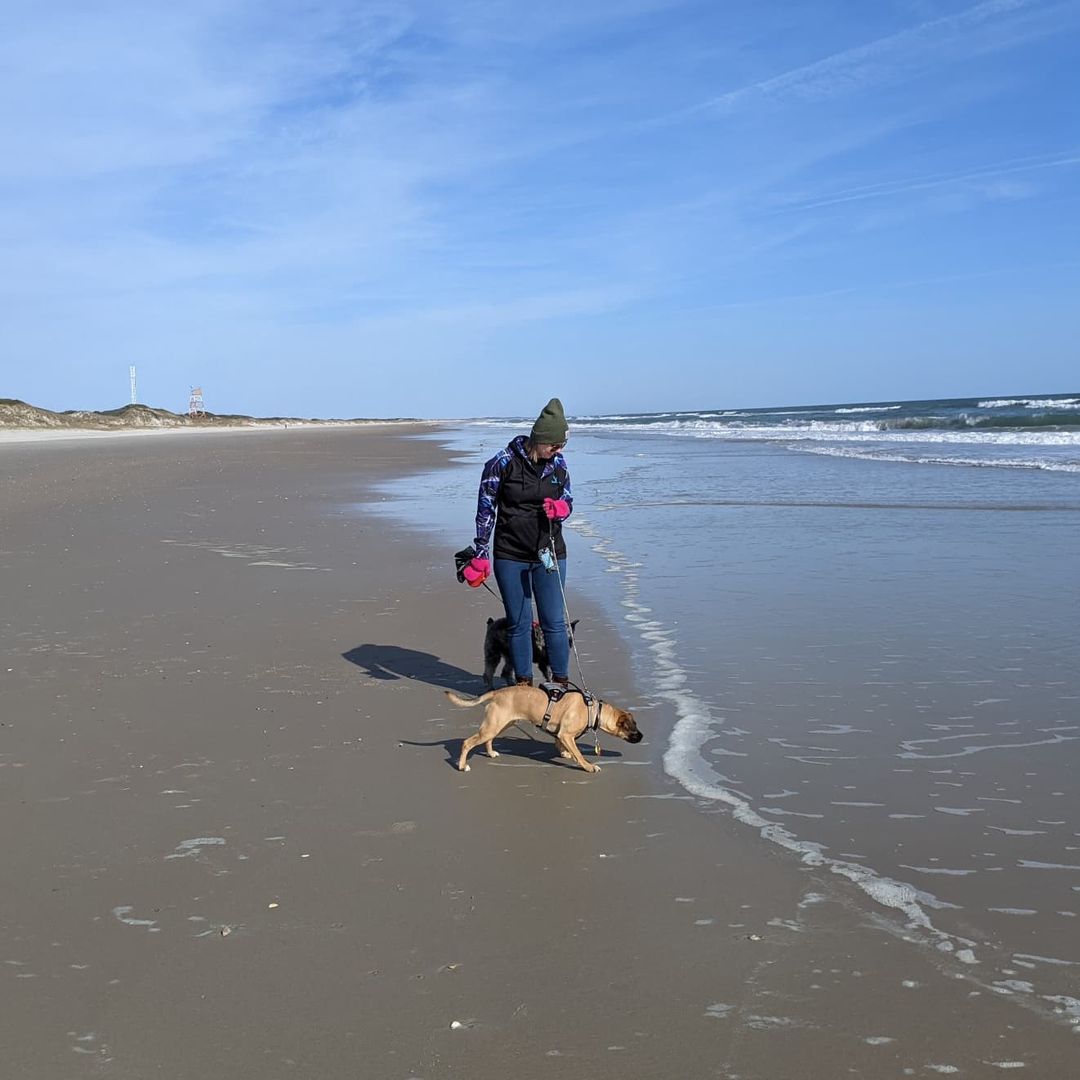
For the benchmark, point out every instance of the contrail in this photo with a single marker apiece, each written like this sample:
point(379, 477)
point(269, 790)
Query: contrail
point(933, 180)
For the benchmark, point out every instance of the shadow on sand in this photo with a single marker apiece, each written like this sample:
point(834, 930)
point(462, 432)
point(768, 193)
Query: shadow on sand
point(391, 662)
point(519, 744)
point(513, 746)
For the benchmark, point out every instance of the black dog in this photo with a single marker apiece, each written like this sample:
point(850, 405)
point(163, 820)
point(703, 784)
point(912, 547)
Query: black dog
point(497, 649)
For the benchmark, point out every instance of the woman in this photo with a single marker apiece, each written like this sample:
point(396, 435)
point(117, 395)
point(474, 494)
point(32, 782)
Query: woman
point(525, 496)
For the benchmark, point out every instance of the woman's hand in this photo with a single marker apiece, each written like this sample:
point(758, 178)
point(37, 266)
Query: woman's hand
point(476, 572)
point(556, 509)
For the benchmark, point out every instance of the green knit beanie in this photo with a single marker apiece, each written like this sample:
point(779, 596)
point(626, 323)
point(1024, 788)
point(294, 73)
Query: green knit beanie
point(550, 426)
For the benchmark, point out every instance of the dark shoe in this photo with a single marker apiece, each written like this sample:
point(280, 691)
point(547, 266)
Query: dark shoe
point(522, 681)
point(561, 680)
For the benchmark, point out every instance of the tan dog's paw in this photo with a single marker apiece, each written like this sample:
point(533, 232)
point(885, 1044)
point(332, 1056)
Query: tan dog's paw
point(493, 753)
point(466, 768)
point(565, 754)
point(589, 767)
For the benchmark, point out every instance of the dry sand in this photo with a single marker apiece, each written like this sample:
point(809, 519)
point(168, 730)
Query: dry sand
point(235, 846)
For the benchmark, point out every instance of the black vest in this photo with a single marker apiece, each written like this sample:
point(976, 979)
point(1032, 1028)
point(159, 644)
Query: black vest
point(522, 527)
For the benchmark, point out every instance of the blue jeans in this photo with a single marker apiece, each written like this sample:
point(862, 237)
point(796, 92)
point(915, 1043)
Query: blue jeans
point(519, 583)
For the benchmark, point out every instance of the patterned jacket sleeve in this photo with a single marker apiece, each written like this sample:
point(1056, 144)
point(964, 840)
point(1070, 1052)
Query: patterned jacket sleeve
point(567, 491)
point(486, 503)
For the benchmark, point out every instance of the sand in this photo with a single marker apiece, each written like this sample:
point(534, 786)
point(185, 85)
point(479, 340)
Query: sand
point(236, 846)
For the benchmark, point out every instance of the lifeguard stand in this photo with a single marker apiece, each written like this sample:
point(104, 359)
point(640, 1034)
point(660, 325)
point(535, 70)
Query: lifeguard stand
point(195, 403)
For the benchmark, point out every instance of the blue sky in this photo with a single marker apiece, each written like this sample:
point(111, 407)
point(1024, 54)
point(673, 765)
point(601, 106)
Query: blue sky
point(456, 209)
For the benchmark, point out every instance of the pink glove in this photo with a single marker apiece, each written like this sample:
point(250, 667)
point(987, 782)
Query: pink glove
point(476, 572)
point(556, 509)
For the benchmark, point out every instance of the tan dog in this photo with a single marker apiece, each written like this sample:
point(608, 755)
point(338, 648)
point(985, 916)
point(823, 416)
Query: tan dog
point(570, 718)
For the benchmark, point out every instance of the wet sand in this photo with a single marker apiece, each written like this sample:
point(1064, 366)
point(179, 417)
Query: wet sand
point(235, 845)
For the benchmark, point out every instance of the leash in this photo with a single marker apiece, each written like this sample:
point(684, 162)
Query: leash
point(590, 698)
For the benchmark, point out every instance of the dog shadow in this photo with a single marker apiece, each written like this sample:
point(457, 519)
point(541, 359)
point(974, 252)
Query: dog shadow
point(521, 747)
point(389, 662)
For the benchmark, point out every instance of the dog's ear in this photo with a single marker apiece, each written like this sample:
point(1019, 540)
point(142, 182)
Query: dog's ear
point(490, 621)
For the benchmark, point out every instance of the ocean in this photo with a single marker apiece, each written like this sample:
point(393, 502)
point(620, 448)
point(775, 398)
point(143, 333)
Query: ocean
point(856, 629)
point(1017, 432)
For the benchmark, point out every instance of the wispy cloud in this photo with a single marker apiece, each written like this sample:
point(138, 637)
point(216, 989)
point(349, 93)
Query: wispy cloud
point(886, 59)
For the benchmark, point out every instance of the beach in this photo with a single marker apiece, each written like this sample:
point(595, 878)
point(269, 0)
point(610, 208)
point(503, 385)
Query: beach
point(236, 845)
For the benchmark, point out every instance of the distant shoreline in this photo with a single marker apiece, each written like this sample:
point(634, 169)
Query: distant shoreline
point(18, 417)
point(12, 435)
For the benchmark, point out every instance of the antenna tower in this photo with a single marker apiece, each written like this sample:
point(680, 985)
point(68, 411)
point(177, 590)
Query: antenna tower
point(195, 402)
point(134, 395)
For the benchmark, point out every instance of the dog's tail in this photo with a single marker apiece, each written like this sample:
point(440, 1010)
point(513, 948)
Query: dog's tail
point(468, 703)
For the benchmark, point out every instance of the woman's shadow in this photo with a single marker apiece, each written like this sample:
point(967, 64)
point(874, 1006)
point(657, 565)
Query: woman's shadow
point(389, 662)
